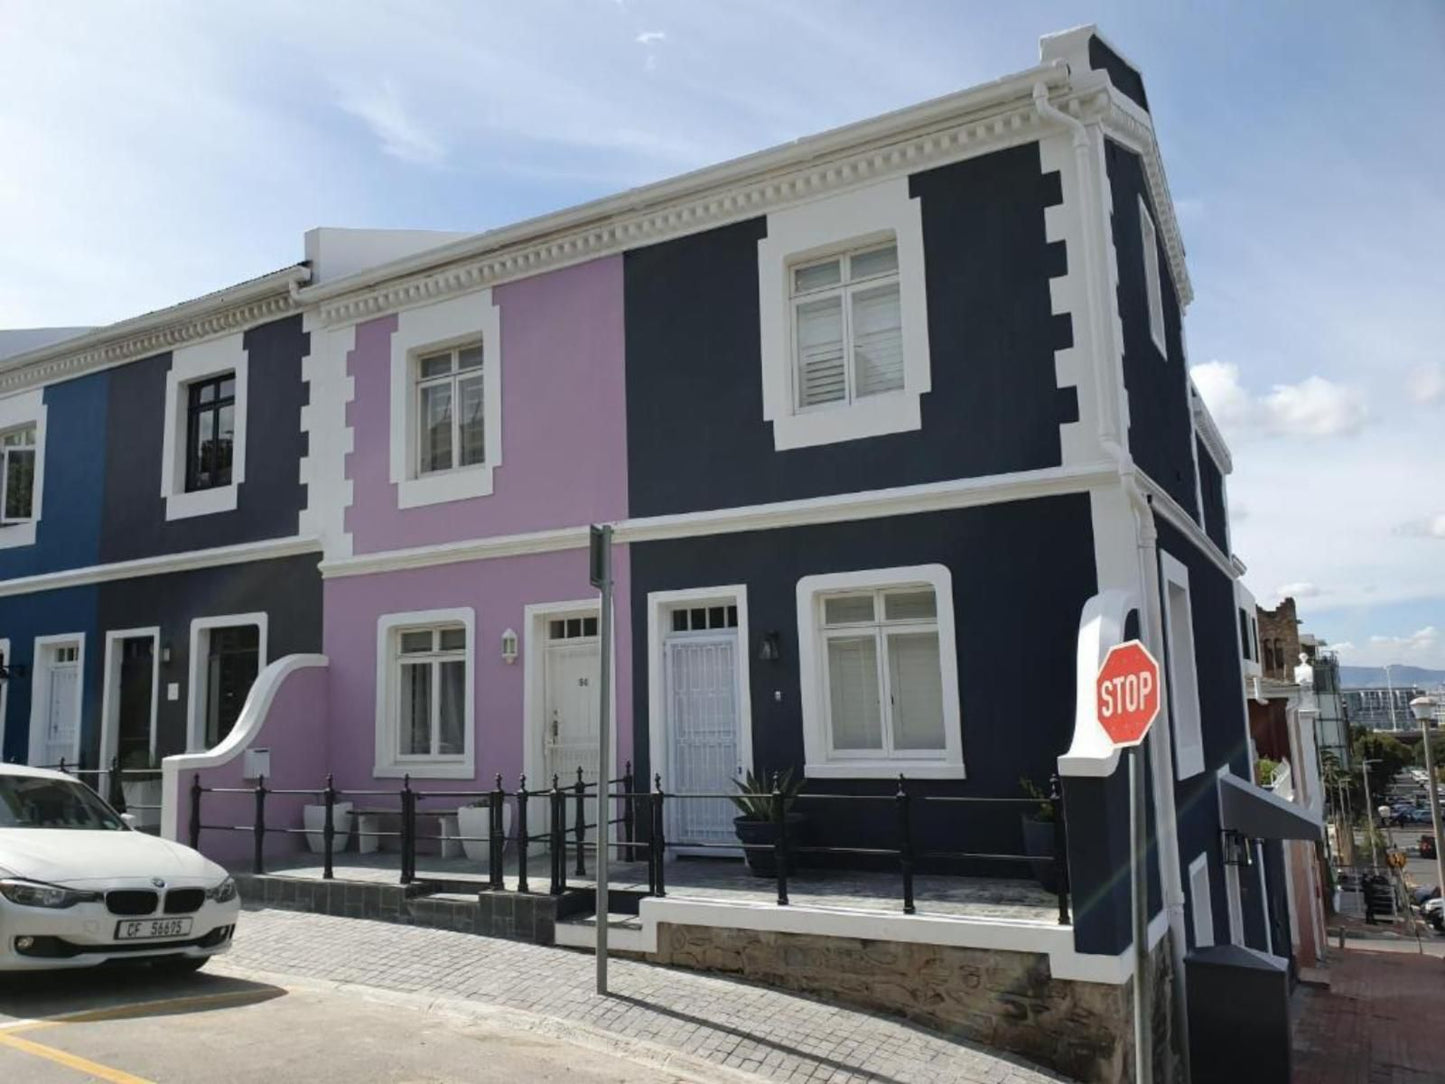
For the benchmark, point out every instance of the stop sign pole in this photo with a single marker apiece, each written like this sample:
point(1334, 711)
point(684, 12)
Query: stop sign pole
point(1127, 702)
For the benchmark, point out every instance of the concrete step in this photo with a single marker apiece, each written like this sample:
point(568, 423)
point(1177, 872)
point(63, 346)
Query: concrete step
point(624, 933)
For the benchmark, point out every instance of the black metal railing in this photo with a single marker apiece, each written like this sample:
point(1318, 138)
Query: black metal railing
point(112, 788)
point(567, 826)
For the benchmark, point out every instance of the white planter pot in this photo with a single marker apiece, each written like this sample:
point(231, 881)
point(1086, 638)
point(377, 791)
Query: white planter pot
point(143, 792)
point(475, 820)
point(313, 819)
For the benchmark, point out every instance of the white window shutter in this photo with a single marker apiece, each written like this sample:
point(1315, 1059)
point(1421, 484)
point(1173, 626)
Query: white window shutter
point(821, 378)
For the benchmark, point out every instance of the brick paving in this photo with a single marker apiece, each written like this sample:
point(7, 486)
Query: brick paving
point(1378, 1023)
point(774, 1035)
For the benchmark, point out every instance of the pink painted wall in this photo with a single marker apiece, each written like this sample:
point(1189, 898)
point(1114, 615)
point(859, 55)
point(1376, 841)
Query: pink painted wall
point(293, 732)
point(497, 589)
point(564, 434)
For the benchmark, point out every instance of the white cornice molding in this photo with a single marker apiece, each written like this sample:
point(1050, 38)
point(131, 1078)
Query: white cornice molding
point(1173, 513)
point(1208, 431)
point(266, 550)
point(221, 313)
point(900, 501)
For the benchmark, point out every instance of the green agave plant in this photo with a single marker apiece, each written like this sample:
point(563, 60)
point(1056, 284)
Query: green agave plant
point(755, 794)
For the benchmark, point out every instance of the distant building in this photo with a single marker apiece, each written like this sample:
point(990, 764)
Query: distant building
point(1382, 709)
point(1332, 723)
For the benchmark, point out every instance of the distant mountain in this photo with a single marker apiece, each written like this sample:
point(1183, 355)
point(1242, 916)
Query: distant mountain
point(1373, 677)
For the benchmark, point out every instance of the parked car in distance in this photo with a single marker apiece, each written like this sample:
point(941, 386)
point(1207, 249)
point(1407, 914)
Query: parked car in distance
point(1433, 911)
point(80, 887)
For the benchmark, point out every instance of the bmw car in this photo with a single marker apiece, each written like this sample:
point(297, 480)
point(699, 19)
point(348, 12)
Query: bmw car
point(79, 887)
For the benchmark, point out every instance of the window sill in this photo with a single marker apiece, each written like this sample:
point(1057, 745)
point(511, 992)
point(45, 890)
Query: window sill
point(460, 484)
point(426, 769)
point(885, 769)
point(896, 412)
point(13, 535)
point(202, 502)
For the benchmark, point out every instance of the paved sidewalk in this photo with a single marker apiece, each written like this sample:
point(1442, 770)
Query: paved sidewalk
point(775, 1035)
point(1378, 1023)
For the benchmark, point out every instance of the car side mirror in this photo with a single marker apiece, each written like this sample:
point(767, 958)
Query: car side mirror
point(129, 818)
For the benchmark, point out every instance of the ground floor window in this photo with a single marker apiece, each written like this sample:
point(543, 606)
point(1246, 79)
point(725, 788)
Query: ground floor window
point(424, 717)
point(880, 673)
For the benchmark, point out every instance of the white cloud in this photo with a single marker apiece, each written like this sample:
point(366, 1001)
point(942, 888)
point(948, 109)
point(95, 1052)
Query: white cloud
point(399, 133)
point(1427, 383)
point(1420, 643)
point(1428, 527)
point(1303, 589)
point(650, 37)
point(1314, 407)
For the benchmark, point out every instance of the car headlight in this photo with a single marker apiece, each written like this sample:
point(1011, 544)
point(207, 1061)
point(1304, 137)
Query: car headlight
point(37, 894)
point(224, 892)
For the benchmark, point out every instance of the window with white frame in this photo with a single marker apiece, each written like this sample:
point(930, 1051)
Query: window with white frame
point(203, 453)
point(843, 317)
point(847, 327)
point(450, 409)
point(1153, 284)
point(424, 706)
point(1183, 675)
point(1200, 902)
point(880, 673)
point(17, 482)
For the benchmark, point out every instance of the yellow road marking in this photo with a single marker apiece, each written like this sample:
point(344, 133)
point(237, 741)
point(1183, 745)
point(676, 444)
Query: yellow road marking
point(70, 1061)
point(145, 1008)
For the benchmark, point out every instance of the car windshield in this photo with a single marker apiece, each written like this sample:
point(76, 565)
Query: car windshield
point(28, 801)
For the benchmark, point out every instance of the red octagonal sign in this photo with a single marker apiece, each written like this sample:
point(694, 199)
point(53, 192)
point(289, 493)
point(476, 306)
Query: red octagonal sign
point(1127, 693)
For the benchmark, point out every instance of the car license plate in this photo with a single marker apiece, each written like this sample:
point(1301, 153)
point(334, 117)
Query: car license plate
point(146, 929)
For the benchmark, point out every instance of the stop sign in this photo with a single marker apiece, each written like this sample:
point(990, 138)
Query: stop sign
point(1127, 693)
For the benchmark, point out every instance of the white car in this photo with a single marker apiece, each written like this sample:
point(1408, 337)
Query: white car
point(80, 887)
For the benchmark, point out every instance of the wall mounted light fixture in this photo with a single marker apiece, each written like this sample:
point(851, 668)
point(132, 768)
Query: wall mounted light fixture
point(770, 649)
point(1237, 851)
point(509, 647)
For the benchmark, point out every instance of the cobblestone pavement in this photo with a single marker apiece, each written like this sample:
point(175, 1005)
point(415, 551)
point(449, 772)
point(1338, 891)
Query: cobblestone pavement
point(775, 1035)
point(1378, 1023)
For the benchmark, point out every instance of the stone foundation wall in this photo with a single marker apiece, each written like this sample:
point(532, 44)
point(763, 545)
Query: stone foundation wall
point(1004, 1000)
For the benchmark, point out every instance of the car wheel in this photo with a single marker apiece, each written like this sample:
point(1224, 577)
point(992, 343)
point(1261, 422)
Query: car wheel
point(180, 965)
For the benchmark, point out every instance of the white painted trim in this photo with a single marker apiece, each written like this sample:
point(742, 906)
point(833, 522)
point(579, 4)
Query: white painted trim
point(1289, 901)
point(1153, 280)
point(40, 691)
point(241, 553)
point(534, 677)
point(188, 365)
point(819, 761)
point(388, 763)
point(1188, 747)
point(234, 308)
point(1172, 513)
point(1202, 911)
point(5, 691)
point(842, 508)
point(856, 924)
point(248, 726)
point(423, 330)
point(1101, 627)
point(809, 229)
point(200, 649)
point(110, 688)
point(1205, 425)
point(17, 411)
point(329, 437)
point(659, 602)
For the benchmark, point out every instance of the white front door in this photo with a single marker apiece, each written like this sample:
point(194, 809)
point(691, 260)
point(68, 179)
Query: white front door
point(702, 734)
point(62, 701)
point(569, 737)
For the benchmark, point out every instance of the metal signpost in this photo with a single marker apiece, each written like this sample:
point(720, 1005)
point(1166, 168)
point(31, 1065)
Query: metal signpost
point(600, 568)
point(1127, 702)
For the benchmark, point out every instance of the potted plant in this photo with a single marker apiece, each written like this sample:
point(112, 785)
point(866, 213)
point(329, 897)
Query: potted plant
point(140, 782)
point(474, 826)
point(1038, 828)
point(757, 825)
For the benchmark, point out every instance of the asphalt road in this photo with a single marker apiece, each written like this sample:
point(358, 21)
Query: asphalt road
point(131, 1027)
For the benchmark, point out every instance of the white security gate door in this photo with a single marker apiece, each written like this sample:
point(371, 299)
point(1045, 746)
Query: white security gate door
point(569, 742)
point(702, 735)
point(64, 692)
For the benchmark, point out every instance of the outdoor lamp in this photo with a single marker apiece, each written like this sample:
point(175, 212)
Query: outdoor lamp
point(509, 647)
point(1423, 708)
point(1236, 848)
point(769, 650)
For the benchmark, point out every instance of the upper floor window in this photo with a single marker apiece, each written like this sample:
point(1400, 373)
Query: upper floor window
point(880, 673)
point(446, 400)
point(843, 317)
point(210, 432)
point(450, 405)
point(1153, 283)
point(847, 327)
point(1183, 673)
point(17, 502)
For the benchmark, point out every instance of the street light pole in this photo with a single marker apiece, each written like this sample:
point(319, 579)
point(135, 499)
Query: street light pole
point(1424, 707)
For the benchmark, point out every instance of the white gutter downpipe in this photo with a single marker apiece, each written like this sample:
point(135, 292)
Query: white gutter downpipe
point(1171, 879)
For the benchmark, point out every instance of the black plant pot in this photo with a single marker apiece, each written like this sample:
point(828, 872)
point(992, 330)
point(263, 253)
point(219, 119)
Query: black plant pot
point(760, 840)
point(1039, 843)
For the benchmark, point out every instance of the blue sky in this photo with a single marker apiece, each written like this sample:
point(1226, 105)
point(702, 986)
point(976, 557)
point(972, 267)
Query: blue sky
point(158, 150)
